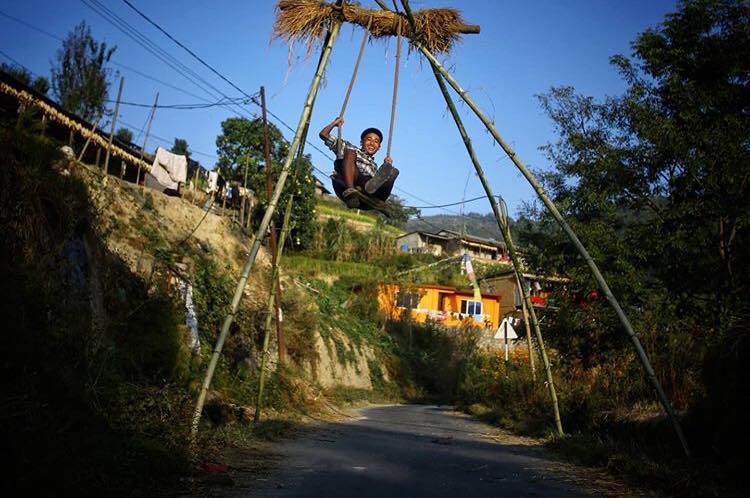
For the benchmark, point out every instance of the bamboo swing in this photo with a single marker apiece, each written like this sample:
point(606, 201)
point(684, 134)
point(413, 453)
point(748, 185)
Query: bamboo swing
point(428, 31)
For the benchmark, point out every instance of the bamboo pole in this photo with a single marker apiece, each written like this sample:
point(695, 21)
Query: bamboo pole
point(305, 116)
point(88, 139)
point(272, 306)
point(286, 226)
point(114, 124)
point(527, 326)
point(502, 223)
point(145, 139)
point(571, 235)
point(274, 256)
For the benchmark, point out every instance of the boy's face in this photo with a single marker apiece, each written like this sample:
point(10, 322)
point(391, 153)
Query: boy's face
point(371, 143)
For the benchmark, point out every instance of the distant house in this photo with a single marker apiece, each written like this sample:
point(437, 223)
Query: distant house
point(539, 287)
point(450, 306)
point(320, 188)
point(450, 243)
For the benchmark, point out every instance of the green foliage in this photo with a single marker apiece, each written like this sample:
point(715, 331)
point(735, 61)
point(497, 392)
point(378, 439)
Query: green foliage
point(79, 76)
point(180, 147)
point(338, 241)
point(124, 135)
point(240, 148)
point(654, 183)
point(40, 83)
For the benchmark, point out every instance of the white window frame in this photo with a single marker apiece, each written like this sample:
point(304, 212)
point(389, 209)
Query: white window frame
point(469, 305)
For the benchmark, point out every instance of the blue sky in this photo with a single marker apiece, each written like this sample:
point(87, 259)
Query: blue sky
point(524, 49)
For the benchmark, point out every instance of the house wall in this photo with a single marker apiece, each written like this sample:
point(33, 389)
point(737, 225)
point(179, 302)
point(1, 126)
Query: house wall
point(417, 244)
point(505, 287)
point(441, 304)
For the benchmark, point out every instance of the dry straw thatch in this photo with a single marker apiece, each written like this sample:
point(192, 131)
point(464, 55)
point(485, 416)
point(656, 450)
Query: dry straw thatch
point(307, 21)
point(52, 113)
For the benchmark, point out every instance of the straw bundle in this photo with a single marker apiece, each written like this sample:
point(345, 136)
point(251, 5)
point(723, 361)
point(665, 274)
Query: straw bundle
point(54, 114)
point(307, 21)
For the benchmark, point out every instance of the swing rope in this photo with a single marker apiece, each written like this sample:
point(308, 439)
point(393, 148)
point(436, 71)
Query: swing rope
point(340, 142)
point(395, 88)
point(340, 148)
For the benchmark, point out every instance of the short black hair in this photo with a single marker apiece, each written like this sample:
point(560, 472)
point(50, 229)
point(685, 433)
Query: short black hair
point(371, 130)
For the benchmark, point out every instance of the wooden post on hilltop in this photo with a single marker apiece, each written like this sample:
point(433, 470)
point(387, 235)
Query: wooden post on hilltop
point(145, 138)
point(333, 31)
point(274, 255)
point(114, 123)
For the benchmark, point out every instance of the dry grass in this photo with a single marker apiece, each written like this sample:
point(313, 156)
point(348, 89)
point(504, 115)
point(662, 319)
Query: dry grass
point(307, 21)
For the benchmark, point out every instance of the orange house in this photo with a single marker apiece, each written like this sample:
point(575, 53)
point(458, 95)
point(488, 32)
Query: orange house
point(447, 305)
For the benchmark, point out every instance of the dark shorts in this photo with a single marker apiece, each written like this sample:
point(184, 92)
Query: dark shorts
point(338, 182)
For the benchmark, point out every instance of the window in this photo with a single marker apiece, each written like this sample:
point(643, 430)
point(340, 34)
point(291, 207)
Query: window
point(471, 307)
point(407, 300)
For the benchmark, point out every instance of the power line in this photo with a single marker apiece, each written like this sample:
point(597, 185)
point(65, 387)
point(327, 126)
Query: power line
point(451, 204)
point(221, 102)
point(134, 34)
point(20, 21)
point(206, 64)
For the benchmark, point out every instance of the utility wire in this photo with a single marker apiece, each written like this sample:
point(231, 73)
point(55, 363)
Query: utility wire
point(131, 32)
point(221, 102)
point(206, 64)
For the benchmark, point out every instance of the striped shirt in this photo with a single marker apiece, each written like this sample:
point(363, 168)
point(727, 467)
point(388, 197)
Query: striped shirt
point(365, 162)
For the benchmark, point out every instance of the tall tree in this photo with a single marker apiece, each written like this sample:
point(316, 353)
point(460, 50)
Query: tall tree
point(180, 147)
point(79, 74)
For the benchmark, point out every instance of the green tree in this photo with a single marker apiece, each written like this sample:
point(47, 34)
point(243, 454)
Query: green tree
point(40, 83)
point(180, 147)
point(79, 74)
point(124, 135)
point(655, 182)
point(241, 143)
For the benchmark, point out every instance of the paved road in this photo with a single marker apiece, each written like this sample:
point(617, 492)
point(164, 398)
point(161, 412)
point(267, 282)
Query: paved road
point(410, 451)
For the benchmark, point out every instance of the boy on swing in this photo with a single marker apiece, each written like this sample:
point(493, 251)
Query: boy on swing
point(358, 171)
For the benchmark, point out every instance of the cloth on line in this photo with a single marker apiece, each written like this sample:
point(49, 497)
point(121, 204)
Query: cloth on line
point(213, 181)
point(169, 169)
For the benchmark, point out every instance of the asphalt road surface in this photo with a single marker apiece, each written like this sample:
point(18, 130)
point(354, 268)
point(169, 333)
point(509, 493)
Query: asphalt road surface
point(411, 451)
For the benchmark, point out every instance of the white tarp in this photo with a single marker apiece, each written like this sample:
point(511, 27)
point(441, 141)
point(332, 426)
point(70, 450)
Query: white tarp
point(169, 169)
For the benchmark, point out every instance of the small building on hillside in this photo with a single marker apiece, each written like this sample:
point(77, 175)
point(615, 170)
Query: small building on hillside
point(320, 188)
point(449, 243)
point(450, 306)
point(539, 287)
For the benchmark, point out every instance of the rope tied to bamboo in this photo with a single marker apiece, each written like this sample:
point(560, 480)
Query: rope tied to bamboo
point(307, 21)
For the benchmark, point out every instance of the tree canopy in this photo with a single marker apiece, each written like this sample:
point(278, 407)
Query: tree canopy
point(180, 147)
point(125, 135)
point(655, 183)
point(80, 75)
point(240, 147)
